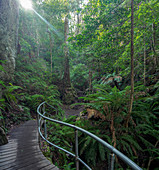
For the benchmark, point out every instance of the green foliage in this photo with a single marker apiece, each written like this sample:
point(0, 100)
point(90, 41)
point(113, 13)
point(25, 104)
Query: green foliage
point(10, 93)
point(10, 110)
point(34, 100)
point(100, 43)
point(62, 136)
point(34, 78)
point(79, 76)
point(2, 104)
point(26, 47)
point(107, 101)
point(2, 107)
point(89, 149)
point(68, 166)
point(2, 83)
point(141, 137)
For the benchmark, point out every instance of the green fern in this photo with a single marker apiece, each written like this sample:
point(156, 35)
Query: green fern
point(10, 93)
point(2, 83)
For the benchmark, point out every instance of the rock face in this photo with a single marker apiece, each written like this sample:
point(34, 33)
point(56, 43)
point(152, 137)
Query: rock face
point(9, 18)
point(3, 138)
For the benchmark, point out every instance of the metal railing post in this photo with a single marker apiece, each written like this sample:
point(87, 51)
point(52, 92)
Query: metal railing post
point(76, 149)
point(111, 161)
point(39, 137)
point(38, 127)
point(44, 108)
point(45, 129)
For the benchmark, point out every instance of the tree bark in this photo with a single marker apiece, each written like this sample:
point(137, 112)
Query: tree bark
point(156, 62)
point(144, 62)
point(90, 82)
point(78, 18)
point(50, 49)
point(66, 77)
point(132, 65)
point(112, 128)
point(38, 44)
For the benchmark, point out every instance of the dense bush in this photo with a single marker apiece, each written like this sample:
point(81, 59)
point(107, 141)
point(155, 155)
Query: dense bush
point(139, 141)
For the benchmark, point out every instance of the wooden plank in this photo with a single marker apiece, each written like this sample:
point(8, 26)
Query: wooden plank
point(16, 156)
point(23, 161)
point(35, 166)
point(49, 167)
point(11, 147)
point(11, 150)
point(22, 151)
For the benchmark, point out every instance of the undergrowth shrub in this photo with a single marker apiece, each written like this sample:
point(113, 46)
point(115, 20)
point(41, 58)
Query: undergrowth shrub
point(140, 141)
point(11, 111)
point(36, 81)
point(89, 149)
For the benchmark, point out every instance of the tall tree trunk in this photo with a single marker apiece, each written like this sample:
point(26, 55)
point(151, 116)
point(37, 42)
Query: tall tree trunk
point(132, 65)
point(112, 128)
point(144, 62)
point(156, 62)
point(50, 49)
point(78, 18)
point(66, 78)
point(90, 82)
point(69, 94)
point(37, 41)
point(38, 45)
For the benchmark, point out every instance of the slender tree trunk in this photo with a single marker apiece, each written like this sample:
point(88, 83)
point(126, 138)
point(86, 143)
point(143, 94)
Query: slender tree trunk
point(37, 41)
point(50, 49)
point(90, 82)
point(36, 36)
point(152, 158)
point(78, 18)
point(69, 92)
point(154, 45)
point(112, 128)
point(78, 21)
point(132, 65)
point(67, 81)
point(144, 62)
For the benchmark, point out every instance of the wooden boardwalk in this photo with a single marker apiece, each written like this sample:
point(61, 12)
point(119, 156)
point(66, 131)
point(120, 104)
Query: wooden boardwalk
point(22, 152)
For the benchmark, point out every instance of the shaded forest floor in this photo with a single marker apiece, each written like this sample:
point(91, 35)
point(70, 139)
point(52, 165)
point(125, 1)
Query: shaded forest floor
point(72, 111)
point(12, 120)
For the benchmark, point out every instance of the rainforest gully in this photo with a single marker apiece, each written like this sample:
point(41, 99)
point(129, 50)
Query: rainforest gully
point(97, 63)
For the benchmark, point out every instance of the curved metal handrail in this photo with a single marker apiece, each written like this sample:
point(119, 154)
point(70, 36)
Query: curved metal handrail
point(108, 146)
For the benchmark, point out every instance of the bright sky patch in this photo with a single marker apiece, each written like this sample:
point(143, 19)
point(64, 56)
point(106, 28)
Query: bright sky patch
point(27, 4)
